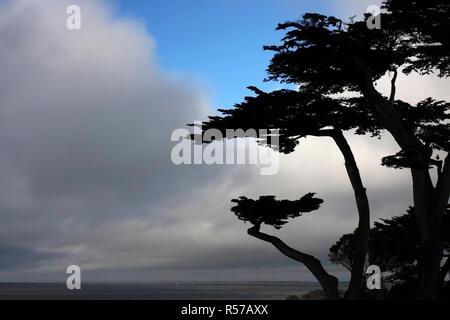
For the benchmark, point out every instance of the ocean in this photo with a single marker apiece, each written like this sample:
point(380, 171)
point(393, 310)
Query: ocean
point(160, 291)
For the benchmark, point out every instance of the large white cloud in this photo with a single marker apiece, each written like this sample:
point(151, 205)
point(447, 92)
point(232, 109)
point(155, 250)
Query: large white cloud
point(85, 124)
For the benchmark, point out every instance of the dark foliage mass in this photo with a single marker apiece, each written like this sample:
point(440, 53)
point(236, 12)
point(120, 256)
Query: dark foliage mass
point(425, 23)
point(335, 67)
point(320, 56)
point(296, 114)
point(394, 246)
point(273, 212)
point(428, 120)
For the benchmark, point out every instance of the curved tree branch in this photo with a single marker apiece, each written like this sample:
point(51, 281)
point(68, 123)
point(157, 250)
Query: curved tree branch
point(424, 193)
point(329, 283)
point(393, 89)
point(362, 203)
point(441, 194)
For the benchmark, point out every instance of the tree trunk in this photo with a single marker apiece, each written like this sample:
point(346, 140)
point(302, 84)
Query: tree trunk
point(362, 232)
point(362, 204)
point(429, 202)
point(429, 276)
point(328, 282)
point(431, 250)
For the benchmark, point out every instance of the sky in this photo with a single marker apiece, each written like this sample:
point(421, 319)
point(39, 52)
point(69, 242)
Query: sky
point(85, 123)
point(219, 39)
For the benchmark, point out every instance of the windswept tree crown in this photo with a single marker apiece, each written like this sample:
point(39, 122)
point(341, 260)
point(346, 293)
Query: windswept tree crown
point(335, 68)
point(425, 23)
point(319, 53)
point(326, 59)
point(296, 114)
point(393, 246)
point(273, 212)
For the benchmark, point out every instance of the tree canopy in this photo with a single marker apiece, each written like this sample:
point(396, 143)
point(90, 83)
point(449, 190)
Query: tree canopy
point(394, 246)
point(273, 212)
point(335, 67)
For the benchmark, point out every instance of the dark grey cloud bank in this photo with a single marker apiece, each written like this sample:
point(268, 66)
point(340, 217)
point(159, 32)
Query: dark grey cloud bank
point(86, 176)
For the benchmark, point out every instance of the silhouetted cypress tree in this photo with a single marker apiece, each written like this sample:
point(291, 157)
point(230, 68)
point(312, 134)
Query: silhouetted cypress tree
point(329, 60)
point(394, 246)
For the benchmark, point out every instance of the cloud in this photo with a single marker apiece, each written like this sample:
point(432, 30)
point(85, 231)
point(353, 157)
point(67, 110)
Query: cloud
point(86, 118)
point(12, 258)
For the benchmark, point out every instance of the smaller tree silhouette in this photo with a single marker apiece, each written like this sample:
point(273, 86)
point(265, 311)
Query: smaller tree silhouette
point(394, 245)
point(328, 64)
point(301, 114)
point(273, 212)
point(267, 210)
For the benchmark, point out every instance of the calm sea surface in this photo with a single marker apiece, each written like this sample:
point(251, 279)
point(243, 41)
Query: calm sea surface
point(181, 291)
